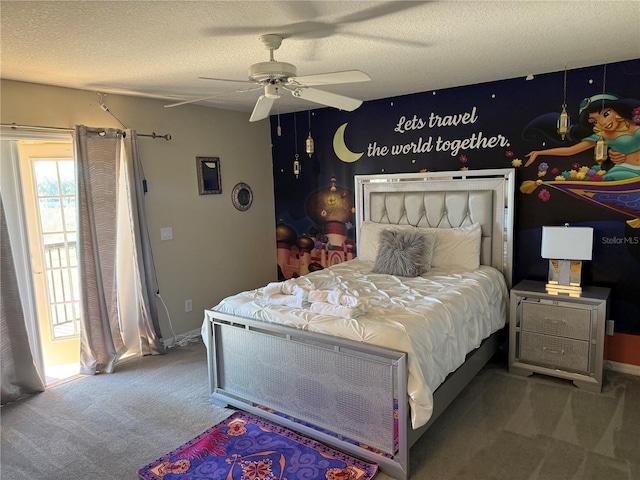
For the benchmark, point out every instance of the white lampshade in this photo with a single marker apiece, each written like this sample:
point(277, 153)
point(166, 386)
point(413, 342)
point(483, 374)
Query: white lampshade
point(567, 243)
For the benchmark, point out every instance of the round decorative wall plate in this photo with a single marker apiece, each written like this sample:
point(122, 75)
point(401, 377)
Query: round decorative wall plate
point(242, 196)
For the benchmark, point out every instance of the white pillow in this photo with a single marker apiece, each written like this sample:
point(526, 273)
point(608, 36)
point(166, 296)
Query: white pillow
point(457, 247)
point(370, 238)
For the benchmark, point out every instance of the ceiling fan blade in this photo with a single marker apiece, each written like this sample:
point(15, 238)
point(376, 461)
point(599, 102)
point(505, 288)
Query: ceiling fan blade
point(194, 100)
point(213, 96)
point(262, 108)
point(225, 80)
point(325, 98)
point(393, 41)
point(347, 76)
point(380, 10)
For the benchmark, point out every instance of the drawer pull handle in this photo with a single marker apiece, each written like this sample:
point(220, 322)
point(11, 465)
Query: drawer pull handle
point(555, 321)
point(553, 351)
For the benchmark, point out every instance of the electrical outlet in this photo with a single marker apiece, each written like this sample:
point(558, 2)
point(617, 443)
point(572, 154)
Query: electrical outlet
point(188, 305)
point(609, 327)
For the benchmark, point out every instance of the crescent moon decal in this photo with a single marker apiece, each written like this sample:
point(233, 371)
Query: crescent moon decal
point(340, 148)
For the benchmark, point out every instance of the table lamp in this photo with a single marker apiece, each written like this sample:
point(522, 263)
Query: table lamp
point(566, 247)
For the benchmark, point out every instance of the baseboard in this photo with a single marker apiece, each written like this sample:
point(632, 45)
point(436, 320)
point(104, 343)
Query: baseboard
point(187, 337)
point(622, 367)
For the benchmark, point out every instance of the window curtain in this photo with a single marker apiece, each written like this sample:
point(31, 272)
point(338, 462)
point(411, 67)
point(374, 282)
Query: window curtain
point(19, 374)
point(119, 312)
point(148, 323)
point(21, 367)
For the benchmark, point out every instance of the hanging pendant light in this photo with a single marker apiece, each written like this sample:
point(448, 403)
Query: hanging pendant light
point(563, 119)
point(297, 166)
point(563, 122)
point(278, 128)
point(600, 150)
point(309, 147)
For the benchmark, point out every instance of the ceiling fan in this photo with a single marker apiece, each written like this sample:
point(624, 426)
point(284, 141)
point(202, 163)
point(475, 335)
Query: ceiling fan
point(275, 77)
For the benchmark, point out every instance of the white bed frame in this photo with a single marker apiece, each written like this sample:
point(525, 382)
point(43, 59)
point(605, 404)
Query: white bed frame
point(346, 388)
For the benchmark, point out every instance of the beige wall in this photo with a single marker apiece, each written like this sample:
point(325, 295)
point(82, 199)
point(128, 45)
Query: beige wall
point(216, 250)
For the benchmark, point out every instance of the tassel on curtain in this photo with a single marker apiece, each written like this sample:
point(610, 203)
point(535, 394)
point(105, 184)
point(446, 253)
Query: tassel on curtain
point(112, 250)
point(19, 374)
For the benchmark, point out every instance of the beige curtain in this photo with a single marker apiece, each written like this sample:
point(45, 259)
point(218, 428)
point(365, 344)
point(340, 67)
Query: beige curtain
point(147, 318)
point(118, 308)
point(18, 371)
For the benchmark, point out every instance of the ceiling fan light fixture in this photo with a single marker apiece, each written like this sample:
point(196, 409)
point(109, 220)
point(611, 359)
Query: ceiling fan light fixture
point(272, 90)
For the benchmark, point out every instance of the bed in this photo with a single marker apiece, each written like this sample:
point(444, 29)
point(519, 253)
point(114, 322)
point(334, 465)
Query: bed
point(361, 371)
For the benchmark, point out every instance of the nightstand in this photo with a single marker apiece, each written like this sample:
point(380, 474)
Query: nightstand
point(558, 334)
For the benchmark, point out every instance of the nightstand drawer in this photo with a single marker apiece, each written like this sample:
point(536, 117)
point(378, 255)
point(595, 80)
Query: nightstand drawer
point(556, 352)
point(562, 321)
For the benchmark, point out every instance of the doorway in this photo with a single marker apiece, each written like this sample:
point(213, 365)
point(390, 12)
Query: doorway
point(49, 187)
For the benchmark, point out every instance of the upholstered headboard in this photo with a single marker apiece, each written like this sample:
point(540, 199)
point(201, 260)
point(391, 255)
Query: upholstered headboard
point(445, 200)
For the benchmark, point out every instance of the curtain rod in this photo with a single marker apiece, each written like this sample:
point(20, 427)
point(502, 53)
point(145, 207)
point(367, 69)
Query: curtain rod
point(153, 135)
point(35, 127)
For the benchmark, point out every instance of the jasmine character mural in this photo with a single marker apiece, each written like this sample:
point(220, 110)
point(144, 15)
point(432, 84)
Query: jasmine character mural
point(614, 183)
point(505, 123)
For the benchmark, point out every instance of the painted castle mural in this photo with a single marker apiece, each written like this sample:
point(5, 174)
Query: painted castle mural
point(324, 244)
point(507, 123)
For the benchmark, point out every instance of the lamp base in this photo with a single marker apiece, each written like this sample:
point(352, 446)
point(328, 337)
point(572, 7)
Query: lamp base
point(564, 277)
point(555, 289)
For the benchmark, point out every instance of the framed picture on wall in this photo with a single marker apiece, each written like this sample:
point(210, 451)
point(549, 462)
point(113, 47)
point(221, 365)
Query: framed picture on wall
point(209, 180)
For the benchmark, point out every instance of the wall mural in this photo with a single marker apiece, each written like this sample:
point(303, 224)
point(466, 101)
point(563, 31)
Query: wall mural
point(507, 123)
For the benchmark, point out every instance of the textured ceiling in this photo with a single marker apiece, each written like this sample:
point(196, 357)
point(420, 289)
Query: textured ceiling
point(160, 48)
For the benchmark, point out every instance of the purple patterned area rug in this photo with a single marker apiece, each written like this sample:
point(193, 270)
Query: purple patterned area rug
point(244, 447)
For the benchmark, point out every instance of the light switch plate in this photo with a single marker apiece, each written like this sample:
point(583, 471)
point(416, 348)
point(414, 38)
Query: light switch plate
point(609, 327)
point(166, 233)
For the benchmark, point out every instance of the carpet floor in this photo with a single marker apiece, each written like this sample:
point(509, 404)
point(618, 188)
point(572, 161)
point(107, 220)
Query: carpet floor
point(105, 427)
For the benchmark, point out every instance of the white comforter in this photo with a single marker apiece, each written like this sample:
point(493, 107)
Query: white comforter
point(437, 318)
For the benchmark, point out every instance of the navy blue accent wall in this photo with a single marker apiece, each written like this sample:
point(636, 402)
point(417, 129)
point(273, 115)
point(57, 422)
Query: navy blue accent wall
point(490, 125)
